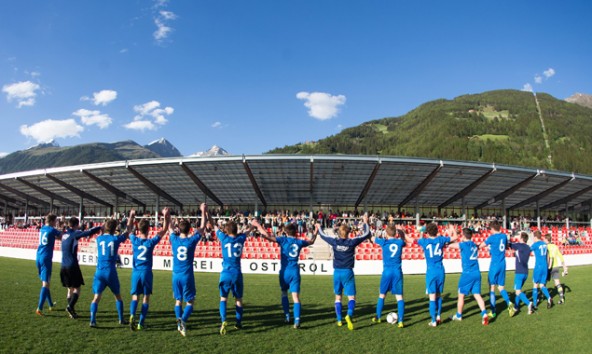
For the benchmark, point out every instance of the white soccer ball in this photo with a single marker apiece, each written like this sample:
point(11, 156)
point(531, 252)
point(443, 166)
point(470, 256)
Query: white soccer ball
point(392, 317)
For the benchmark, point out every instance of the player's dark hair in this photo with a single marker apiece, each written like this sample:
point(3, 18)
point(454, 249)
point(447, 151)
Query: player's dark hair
point(73, 222)
point(524, 237)
point(344, 230)
point(400, 234)
point(50, 218)
point(495, 225)
point(291, 229)
point(391, 231)
point(184, 227)
point(538, 234)
point(231, 228)
point(549, 238)
point(110, 226)
point(144, 226)
point(432, 229)
point(467, 233)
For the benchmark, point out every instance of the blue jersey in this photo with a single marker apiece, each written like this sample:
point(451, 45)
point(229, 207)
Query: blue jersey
point(232, 250)
point(291, 247)
point(497, 249)
point(433, 249)
point(522, 252)
point(70, 245)
point(469, 253)
point(344, 248)
point(183, 252)
point(143, 248)
point(47, 237)
point(539, 249)
point(392, 250)
point(107, 246)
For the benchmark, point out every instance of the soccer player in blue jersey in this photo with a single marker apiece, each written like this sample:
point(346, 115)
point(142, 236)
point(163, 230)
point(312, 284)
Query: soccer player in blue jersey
point(433, 248)
point(497, 243)
point(183, 247)
point(522, 254)
point(231, 277)
point(106, 273)
point(47, 237)
point(539, 275)
point(344, 249)
point(470, 278)
point(70, 273)
point(392, 274)
point(143, 248)
point(289, 271)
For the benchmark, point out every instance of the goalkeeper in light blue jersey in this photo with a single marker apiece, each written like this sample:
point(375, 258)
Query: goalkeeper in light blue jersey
point(290, 270)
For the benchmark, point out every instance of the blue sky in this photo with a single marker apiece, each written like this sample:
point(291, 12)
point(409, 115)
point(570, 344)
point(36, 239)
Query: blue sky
point(254, 75)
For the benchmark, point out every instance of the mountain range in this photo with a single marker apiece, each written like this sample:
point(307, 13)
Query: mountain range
point(504, 126)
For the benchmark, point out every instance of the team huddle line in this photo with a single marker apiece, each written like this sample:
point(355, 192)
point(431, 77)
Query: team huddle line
point(548, 261)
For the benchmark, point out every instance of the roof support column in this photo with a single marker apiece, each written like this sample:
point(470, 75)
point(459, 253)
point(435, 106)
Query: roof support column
point(26, 211)
point(51, 205)
point(505, 219)
point(156, 211)
point(80, 206)
point(538, 213)
point(567, 216)
point(464, 210)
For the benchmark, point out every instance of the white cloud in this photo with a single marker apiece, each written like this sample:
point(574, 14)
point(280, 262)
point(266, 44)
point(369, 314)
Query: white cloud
point(162, 19)
point(339, 127)
point(217, 125)
point(2, 154)
point(321, 105)
point(93, 118)
point(149, 109)
point(104, 97)
point(124, 50)
point(549, 73)
point(140, 125)
point(538, 79)
point(49, 129)
point(527, 87)
point(23, 93)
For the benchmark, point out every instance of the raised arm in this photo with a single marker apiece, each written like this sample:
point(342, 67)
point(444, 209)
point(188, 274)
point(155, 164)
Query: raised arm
point(88, 232)
point(262, 231)
point(453, 233)
point(314, 237)
point(167, 223)
point(204, 216)
point(408, 239)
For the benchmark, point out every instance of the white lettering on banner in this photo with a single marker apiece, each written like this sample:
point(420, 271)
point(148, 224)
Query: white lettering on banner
point(261, 266)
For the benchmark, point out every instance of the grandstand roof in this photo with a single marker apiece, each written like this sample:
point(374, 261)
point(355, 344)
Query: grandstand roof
point(282, 180)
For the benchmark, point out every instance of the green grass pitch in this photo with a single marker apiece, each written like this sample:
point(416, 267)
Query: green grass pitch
point(564, 328)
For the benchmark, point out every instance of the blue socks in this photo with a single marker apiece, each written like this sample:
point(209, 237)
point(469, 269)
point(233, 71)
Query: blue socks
point(524, 299)
point(49, 300)
point(286, 305)
point(379, 306)
point(42, 297)
point(433, 310)
point(187, 312)
point(119, 306)
point(296, 312)
point(492, 301)
point(144, 313)
point(504, 294)
point(351, 306)
point(546, 292)
point(133, 307)
point(178, 311)
point(439, 303)
point(338, 310)
point(94, 307)
point(401, 309)
point(239, 314)
point(222, 311)
point(535, 296)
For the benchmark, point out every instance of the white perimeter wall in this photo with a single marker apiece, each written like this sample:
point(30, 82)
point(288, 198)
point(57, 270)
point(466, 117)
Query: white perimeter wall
point(265, 266)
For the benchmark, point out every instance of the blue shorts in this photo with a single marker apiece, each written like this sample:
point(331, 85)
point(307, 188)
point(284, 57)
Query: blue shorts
point(519, 280)
point(391, 280)
point(44, 270)
point(106, 278)
point(231, 280)
point(290, 279)
point(539, 276)
point(497, 275)
point(141, 282)
point(470, 283)
point(344, 282)
point(435, 282)
point(184, 286)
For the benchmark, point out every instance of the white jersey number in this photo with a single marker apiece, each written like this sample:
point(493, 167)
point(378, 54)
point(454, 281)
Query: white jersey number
point(394, 248)
point(437, 251)
point(294, 251)
point(182, 253)
point(111, 247)
point(237, 246)
point(142, 255)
